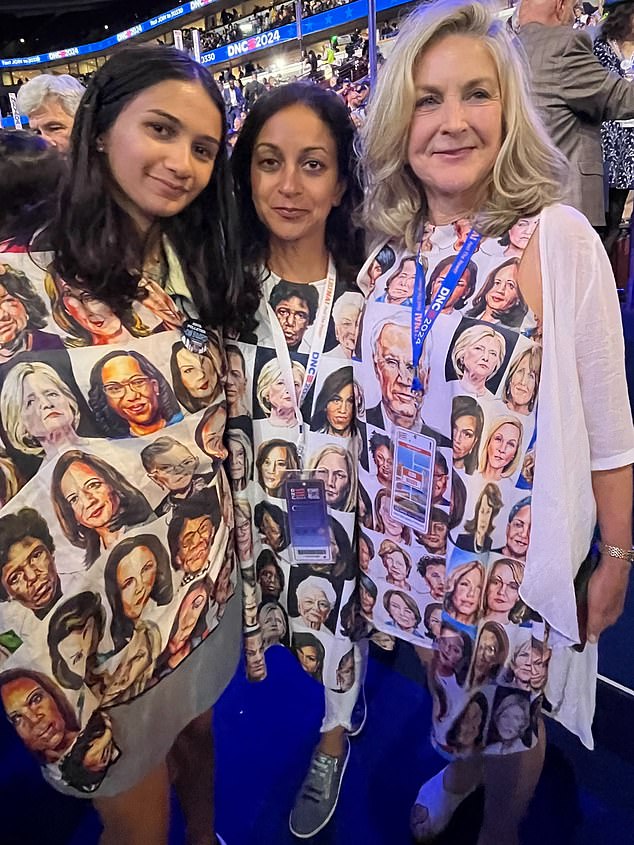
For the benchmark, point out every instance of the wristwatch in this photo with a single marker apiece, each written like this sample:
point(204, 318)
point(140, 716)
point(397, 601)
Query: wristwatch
point(616, 551)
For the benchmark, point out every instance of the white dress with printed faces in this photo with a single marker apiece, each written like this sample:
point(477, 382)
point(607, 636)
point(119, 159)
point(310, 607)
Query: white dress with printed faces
point(454, 587)
point(310, 608)
point(118, 620)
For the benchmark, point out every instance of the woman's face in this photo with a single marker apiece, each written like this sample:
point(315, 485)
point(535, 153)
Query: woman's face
point(93, 501)
point(309, 659)
point(279, 397)
point(161, 149)
point(333, 469)
point(403, 616)
point(294, 175)
point(522, 384)
point(469, 727)
point(483, 520)
point(272, 531)
point(384, 465)
point(455, 134)
point(520, 234)
point(273, 623)
point(269, 580)
point(189, 613)
point(467, 593)
point(100, 752)
point(364, 555)
point(503, 447)
point(396, 567)
point(523, 664)
point(211, 434)
point(512, 721)
point(373, 273)
point(34, 714)
point(194, 542)
point(134, 665)
point(76, 647)
point(46, 412)
point(136, 576)
point(340, 410)
point(367, 601)
point(400, 286)
point(450, 651)
point(314, 607)
point(504, 292)
point(459, 291)
point(236, 460)
point(487, 652)
point(274, 466)
point(464, 436)
point(435, 622)
point(391, 525)
point(482, 358)
point(503, 589)
point(197, 374)
point(243, 536)
point(97, 318)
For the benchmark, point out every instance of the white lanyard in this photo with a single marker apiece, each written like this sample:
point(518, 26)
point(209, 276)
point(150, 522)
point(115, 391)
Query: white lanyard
point(320, 329)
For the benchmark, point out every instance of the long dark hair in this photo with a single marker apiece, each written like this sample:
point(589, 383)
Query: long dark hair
point(343, 239)
point(95, 244)
point(617, 26)
point(30, 173)
point(333, 384)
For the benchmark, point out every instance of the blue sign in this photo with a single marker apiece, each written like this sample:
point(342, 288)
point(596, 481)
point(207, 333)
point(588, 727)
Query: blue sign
point(261, 41)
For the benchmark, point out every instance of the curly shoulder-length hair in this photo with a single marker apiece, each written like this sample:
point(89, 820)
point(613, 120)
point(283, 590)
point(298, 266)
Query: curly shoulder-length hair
point(122, 626)
point(529, 170)
point(343, 238)
point(133, 509)
point(92, 236)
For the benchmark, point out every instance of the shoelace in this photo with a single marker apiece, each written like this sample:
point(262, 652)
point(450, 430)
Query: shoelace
point(318, 782)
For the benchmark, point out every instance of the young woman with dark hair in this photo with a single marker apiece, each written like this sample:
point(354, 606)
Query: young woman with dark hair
point(294, 168)
point(143, 258)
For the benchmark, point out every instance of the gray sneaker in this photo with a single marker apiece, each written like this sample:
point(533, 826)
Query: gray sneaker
point(317, 799)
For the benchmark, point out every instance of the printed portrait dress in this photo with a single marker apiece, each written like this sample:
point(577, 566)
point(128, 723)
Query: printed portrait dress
point(450, 582)
point(119, 617)
point(305, 606)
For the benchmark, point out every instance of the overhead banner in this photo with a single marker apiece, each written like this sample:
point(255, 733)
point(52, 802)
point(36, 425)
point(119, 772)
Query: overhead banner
point(13, 101)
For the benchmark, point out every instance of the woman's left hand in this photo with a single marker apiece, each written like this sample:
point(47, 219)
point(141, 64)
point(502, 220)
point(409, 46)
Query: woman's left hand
point(606, 595)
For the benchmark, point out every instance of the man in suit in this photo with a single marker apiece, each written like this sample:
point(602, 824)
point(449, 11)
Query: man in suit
point(234, 100)
point(574, 94)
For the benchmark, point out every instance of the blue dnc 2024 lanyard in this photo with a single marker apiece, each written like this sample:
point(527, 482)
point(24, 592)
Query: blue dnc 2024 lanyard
point(422, 320)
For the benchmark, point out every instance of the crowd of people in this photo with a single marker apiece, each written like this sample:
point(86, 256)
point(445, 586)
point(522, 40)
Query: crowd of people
point(288, 397)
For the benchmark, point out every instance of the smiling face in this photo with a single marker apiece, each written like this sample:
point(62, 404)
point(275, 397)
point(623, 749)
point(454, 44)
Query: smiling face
point(396, 566)
point(195, 541)
point(13, 318)
point(197, 374)
point(294, 177)
point(314, 608)
point(76, 647)
point(455, 133)
point(129, 392)
point(504, 291)
point(340, 410)
point(384, 461)
point(518, 533)
point(29, 575)
point(94, 316)
point(273, 468)
point(403, 616)
point(34, 714)
point(174, 468)
point(522, 385)
point(511, 721)
point(522, 665)
point(136, 576)
point(333, 470)
point(503, 589)
point(161, 149)
point(467, 594)
point(93, 501)
point(502, 448)
point(395, 372)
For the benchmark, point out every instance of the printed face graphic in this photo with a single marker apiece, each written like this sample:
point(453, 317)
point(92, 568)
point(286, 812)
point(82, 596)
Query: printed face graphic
point(272, 532)
point(345, 672)
point(340, 410)
point(522, 386)
point(174, 469)
point(195, 541)
point(91, 314)
point(46, 412)
point(189, 613)
point(136, 576)
point(35, 715)
point(254, 655)
point(236, 461)
point(395, 372)
point(273, 624)
point(504, 292)
point(396, 566)
point(521, 233)
point(100, 752)
point(483, 518)
point(403, 616)
point(518, 533)
point(244, 538)
point(333, 470)
point(435, 622)
point(270, 580)
point(522, 667)
point(482, 358)
point(384, 465)
point(197, 374)
point(539, 669)
point(314, 608)
point(129, 392)
point(487, 652)
point(364, 555)
point(464, 436)
point(346, 328)
point(236, 379)
point(13, 318)
point(461, 286)
point(503, 447)
point(29, 575)
point(467, 594)
point(512, 721)
point(212, 432)
point(134, 666)
point(450, 651)
point(469, 727)
point(279, 397)
point(435, 540)
point(273, 467)
point(439, 483)
point(293, 315)
point(392, 526)
point(401, 285)
point(92, 499)
point(76, 648)
point(503, 589)
point(309, 658)
point(435, 577)
point(367, 601)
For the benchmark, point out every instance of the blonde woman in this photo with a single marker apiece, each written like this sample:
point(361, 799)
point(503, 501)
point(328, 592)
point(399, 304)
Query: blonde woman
point(476, 357)
point(450, 135)
point(240, 459)
point(336, 466)
point(501, 453)
point(522, 383)
point(39, 412)
point(273, 396)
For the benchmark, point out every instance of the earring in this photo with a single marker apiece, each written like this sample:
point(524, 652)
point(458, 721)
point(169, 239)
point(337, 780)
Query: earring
point(100, 146)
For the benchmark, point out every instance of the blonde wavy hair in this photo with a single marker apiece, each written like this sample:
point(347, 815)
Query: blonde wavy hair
point(529, 171)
